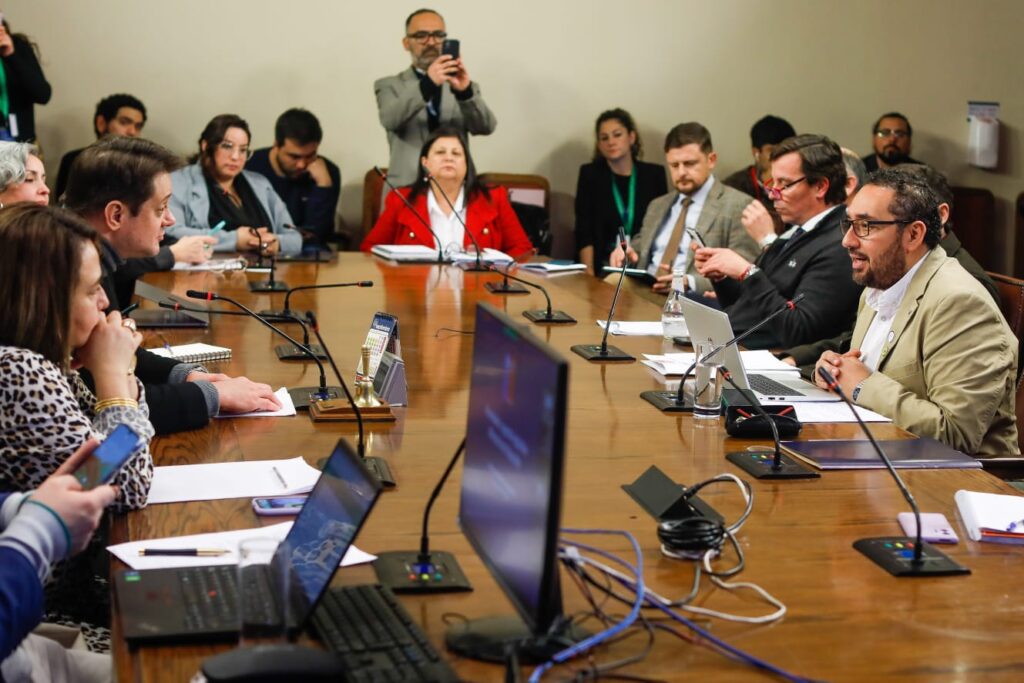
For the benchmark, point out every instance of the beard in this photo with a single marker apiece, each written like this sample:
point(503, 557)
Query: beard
point(427, 58)
point(893, 155)
point(885, 271)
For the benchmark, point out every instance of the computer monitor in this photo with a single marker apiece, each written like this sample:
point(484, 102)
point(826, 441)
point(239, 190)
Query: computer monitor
point(510, 504)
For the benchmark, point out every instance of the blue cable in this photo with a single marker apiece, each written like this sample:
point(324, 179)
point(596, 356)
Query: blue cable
point(613, 630)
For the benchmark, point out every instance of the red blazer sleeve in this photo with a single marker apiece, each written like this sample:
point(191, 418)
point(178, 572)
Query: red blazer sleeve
point(397, 225)
point(514, 241)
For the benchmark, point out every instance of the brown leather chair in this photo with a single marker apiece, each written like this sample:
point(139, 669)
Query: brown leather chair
point(974, 211)
point(373, 188)
point(530, 196)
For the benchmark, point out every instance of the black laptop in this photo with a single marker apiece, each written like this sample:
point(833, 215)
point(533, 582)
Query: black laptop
point(164, 317)
point(199, 603)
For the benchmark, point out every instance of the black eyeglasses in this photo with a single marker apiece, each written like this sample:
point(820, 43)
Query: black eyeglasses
point(862, 227)
point(891, 133)
point(424, 36)
point(775, 190)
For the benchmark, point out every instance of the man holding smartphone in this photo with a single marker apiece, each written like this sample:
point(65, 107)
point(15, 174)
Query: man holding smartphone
point(436, 91)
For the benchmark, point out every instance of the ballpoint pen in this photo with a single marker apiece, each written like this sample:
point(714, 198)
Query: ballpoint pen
point(184, 552)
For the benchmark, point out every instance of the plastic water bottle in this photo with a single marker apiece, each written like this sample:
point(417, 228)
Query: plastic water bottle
point(672, 322)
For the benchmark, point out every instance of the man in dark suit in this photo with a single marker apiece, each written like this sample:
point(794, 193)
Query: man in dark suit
point(121, 186)
point(808, 190)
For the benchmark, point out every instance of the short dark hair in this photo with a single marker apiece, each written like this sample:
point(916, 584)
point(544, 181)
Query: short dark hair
point(40, 265)
point(623, 117)
point(893, 115)
point(299, 125)
point(770, 130)
point(472, 182)
point(214, 134)
point(116, 169)
point(936, 180)
point(913, 200)
point(691, 133)
point(109, 106)
point(422, 10)
point(820, 159)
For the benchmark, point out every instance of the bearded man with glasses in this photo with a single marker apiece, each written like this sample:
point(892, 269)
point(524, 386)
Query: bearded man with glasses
point(930, 348)
point(436, 91)
point(891, 136)
point(808, 190)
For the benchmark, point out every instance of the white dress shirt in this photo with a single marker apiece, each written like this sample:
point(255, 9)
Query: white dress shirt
point(885, 303)
point(448, 227)
point(665, 232)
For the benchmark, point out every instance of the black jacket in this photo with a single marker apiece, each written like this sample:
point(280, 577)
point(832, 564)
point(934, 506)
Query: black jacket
point(817, 266)
point(172, 407)
point(26, 87)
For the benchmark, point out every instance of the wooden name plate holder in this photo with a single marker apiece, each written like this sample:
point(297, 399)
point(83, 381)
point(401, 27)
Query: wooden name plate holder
point(339, 410)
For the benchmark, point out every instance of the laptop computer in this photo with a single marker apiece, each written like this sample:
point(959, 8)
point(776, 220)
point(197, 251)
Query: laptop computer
point(188, 604)
point(163, 317)
point(707, 323)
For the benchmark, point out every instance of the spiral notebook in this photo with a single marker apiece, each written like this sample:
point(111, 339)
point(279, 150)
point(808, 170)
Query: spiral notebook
point(194, 353)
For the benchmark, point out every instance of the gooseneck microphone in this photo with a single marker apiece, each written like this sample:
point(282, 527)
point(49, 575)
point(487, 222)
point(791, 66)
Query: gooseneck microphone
point(780, 466)
point(293, 316)
point(405, 571)
point(301, 396)
point(674, 401)
point(602, 353)
point(378, 466)
point(478, 266)
point(897, 554)
point(546, 316)
point(270, 284)
point(412, 209)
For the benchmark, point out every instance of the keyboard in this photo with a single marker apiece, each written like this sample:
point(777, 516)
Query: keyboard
point(375, 637)
point(769, 387)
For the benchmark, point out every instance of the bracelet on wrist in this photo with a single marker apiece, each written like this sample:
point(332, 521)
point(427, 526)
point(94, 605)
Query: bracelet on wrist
point(114, 403)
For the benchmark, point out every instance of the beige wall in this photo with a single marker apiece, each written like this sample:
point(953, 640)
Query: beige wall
point(547, 68)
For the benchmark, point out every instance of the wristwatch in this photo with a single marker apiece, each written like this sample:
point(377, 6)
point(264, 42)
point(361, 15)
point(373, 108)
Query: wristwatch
point(752, 270)
point(856, 390)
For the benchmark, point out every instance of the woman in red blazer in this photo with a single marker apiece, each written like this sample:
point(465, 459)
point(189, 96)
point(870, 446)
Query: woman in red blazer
point(446, 174)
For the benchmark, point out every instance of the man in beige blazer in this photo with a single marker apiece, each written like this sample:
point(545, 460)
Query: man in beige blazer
point(713, 209)
point(930, 349)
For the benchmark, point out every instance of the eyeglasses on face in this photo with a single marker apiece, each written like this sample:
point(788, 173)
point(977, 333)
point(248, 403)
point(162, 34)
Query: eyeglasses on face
point(891, 133)
point(231, 149)
point(775, 189)
point(862, 227)
point(424, 36)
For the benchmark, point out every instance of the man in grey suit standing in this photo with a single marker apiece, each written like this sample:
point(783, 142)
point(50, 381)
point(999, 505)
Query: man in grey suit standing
point(700, 202)
point(436, 91)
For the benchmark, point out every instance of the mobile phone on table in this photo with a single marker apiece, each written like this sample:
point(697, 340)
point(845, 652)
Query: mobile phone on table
point(696, 237)
point(450, 47)
point(279, 505)
point(935, 528)
point(103, 464)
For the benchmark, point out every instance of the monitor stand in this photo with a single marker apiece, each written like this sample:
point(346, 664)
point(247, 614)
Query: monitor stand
point(487, 639)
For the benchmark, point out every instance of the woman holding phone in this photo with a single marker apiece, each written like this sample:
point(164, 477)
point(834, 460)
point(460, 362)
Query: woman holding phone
point(614, 189)
point(52, 324)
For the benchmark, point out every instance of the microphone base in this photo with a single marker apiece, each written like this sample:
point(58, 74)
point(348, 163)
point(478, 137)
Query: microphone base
point(293, 352)
point(268, 286)
point(895, 555)
point(758, 464)
point(556, 317)
point(666, 402)
point(303, 396)
point(490, 638)
point(506, 288)
point(474, 267)
point(612, 354)
point(380, 469)
point(402, 572)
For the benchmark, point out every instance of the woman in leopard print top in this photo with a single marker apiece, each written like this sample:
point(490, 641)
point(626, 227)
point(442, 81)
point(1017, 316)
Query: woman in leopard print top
point(51, 324)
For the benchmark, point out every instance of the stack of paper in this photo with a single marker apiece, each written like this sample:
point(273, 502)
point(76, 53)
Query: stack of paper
point(488, 256)
point(215, 481)
point(634, 328)
point(225, 540)
point(406, 253)
point(215, 265)
point(992, 517)
point(287, 407)
point(552, 267)
point(753, 361)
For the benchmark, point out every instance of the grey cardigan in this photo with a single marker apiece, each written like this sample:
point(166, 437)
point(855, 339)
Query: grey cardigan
point(190, 206)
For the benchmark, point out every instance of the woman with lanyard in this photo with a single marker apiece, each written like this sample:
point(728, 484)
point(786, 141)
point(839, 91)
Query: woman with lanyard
point(22, 85)
point(614, 189)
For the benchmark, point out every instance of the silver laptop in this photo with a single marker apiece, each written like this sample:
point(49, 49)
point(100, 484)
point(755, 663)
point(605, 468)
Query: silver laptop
point(708, 323)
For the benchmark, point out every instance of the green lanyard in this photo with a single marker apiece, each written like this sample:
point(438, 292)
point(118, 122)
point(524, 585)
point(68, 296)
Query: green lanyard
point(626, 213)
point(5, 105)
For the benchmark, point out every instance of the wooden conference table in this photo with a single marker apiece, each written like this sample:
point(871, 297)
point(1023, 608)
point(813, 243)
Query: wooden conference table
point(847, 619)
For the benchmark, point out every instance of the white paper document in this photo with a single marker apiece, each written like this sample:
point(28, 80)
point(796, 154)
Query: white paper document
point(215, 265)
point(551, 267)
point(287, 408)
point(753, 361)
point(218, 480)
point(487, 256)
point(226, 540)
point(414, 253)
point(624, 328)
point(831, 412)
